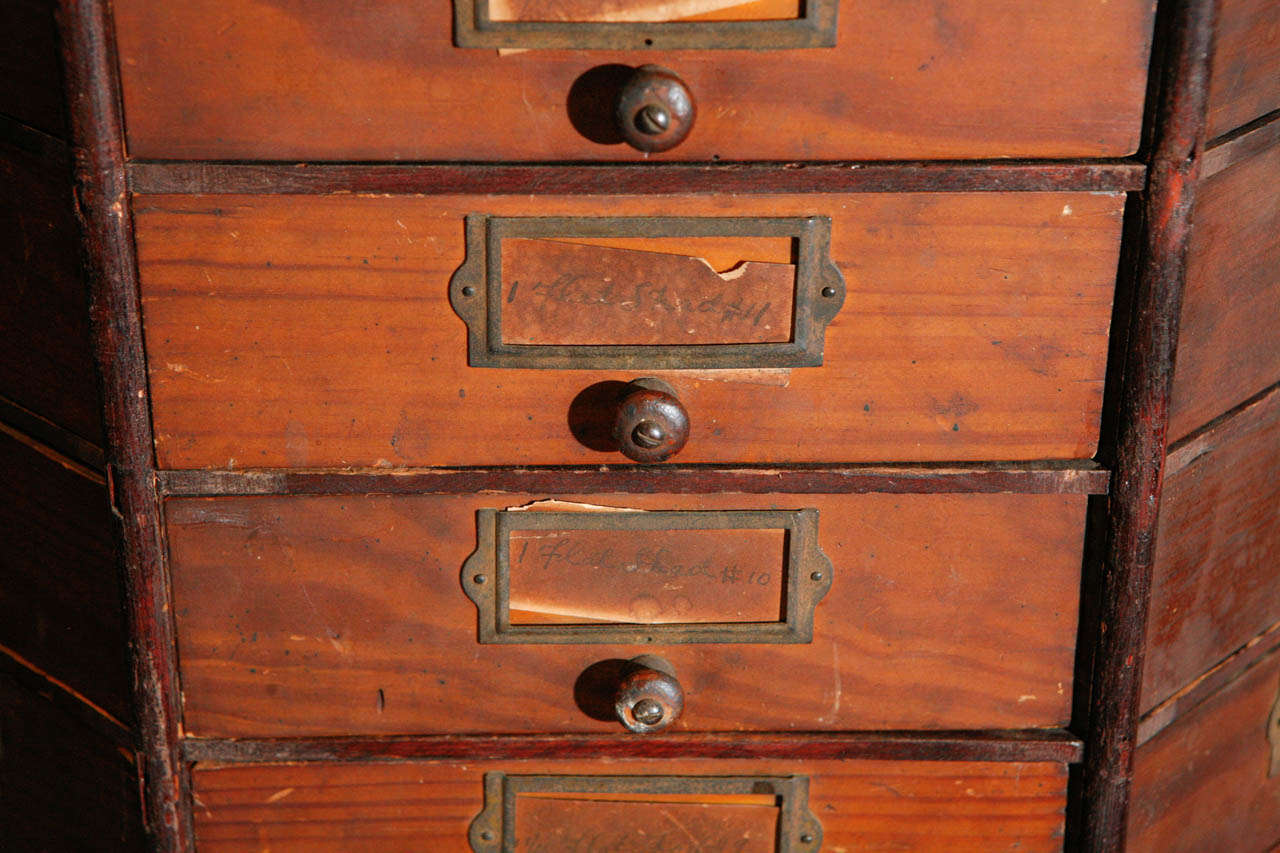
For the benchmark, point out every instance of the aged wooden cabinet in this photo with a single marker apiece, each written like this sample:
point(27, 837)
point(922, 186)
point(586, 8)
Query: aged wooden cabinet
point(706, 425)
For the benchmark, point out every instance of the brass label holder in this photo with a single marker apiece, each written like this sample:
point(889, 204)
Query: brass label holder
point(494, 829)
point(486, 577)
point(476, 294)
point(815, 27)
point(1273, 736)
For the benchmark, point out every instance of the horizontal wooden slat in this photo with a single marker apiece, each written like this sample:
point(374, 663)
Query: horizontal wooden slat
point(960, 807)
point(1023, 478)
point(184, 178)
point(1243, 144)
point(1055, 745)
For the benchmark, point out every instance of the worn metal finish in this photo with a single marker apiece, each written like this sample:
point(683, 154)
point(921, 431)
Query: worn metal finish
point(493, 830)
point(655, 109)
point(475, 292)
point(815, 27)
point(486, 577)
point(92, 86)
point(1124, 582)
point(651, 424)
point(649, 696)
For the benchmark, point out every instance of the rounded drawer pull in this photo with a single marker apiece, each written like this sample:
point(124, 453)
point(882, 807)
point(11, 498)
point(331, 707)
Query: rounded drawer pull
point(649, 697)
point(651, 424)
point(655, 109)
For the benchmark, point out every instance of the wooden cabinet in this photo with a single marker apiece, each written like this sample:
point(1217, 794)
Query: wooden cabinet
point(736, 426)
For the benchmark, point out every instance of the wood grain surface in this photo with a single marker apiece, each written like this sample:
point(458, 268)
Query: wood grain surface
point(29, 66)
point(329, 616)
point(61, 602)
point(1203, 784)
point(387, 808)
point(316, 332)
point(328, 80)
point(1227, 350)
point(66, 787)
point(1217, 548)
point(1246, 64)
point(46, 364)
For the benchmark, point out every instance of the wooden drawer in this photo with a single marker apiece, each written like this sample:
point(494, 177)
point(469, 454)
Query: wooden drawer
point(1211, 779)
point(1246, 65)
point(1227, 348)
point(1217, 548)
point(290, 80)
point(340, 615)
point(860, 805)
point(318, 332)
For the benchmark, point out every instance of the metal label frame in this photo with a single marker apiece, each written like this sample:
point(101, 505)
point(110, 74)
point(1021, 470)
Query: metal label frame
point(494, 829)
point(475, 292)
point(486, 577)
point(816, 27)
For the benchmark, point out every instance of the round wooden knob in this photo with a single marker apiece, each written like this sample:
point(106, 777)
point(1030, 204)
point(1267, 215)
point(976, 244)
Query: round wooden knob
point(651, 424)
point(649, 698)
point(655, 109)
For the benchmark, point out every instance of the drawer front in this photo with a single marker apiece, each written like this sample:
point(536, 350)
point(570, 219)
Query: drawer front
point(328, 80)
point(1211, 779)
point(1217, 548)
point(1246, 64)
point(341, 615)
point(859, 805)
point(318, 332)
point(1227, 348)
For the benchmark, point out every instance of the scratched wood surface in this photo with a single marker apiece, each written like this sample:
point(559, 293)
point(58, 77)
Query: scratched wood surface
point(61, 604)
point(46, 365)
point(319, 616)
point(1205, 782)
point(1227, 349)
point(1246, 64)
point(316, 331)
point(862, 805)
point(1217, 549)
point(329, 80)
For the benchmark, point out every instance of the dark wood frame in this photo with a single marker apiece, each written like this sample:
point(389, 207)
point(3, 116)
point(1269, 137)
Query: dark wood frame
point(1132, 452)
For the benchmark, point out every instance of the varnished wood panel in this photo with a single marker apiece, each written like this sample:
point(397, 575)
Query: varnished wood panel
point(1203, 784)
point(862, 805)
point(61, 605)
point(302, 79)
point(29, 66)
point(46, 365)
point(1227, 349)
point(1246, 64)
point(1217, 549)
point(316, 331)
point(311, 616)
point(64, 787)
